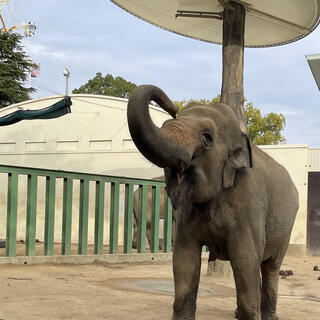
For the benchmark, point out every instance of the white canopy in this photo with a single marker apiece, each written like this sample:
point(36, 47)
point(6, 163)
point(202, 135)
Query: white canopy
point(314, 64)
point(268, 22)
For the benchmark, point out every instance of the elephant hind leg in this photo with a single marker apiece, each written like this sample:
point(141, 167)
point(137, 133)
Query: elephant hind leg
point(270, 278)
point(269, 290)
point(135, 231)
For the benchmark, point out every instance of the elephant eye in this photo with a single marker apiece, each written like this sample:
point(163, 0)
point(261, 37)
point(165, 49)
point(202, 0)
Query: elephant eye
point(207, 138)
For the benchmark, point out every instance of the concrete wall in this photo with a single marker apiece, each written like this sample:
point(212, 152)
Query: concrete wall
point(295, 159)
point(314, 159)
point(95, 138)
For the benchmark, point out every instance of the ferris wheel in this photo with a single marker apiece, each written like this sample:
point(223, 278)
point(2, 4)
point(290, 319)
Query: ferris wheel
point(9, 14)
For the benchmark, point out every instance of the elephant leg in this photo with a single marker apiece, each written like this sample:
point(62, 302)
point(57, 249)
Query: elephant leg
point(269, 290)
point(246, 271)
point(186, 271)
point(135, 232)
point(270, 278)
point(173, 233)
point(148, 232)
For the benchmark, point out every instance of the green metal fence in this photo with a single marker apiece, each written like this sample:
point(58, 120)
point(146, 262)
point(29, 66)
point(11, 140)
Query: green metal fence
point(85, 181)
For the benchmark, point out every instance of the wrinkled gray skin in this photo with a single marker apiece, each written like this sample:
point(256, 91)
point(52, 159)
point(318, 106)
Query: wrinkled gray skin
point(230, 196)
point(149, 216)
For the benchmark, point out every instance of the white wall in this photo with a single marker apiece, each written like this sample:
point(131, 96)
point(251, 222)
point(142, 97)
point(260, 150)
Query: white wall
point(93, 138)
point(314, 159)
point(295, 159)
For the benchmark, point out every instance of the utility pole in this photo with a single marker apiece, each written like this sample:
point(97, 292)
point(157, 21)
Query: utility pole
point(67, 73)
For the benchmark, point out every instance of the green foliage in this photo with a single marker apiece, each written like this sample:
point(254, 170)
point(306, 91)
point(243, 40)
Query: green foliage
point(183, 103)
point(264, 129)
point(261, 129)
point(108, 86)
point(14, 69)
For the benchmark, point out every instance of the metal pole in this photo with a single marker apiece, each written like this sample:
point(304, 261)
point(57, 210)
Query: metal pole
point(66, 73)
point(67, 85)
point(3, 24)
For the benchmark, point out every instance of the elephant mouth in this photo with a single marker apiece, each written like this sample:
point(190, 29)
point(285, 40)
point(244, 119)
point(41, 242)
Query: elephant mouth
point(179, 186)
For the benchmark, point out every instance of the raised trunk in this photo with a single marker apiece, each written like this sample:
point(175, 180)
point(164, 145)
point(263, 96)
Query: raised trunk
point(152, 141)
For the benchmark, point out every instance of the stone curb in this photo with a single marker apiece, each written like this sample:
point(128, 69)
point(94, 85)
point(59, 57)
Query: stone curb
point(85, 259)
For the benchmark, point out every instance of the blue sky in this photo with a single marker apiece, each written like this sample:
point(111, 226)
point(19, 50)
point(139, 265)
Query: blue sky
point(97, 36)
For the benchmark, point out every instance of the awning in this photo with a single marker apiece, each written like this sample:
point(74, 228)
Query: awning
point(268, 22)
point(56, 110)
point(314, 64)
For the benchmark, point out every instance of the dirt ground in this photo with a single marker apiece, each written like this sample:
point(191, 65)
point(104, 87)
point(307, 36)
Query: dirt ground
point(139, 291)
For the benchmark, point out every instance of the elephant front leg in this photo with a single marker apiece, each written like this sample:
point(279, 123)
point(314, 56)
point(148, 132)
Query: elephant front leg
point(186, 270)
point(246, 271)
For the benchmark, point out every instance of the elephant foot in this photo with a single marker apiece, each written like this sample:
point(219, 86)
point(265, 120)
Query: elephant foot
point(236, 315)
point(182, 317)
point(269, 317)
point(268, 314)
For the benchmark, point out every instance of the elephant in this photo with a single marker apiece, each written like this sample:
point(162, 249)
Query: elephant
point(149, 216)
point(230, 196)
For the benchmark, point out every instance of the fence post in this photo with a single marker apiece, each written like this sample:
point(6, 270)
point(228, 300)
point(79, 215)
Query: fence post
point(66, 216)
point(167, 232)
point(128, 214)
point(83, 217)
point(99, 217)
point(31, 219)
point(49, 215)
point(114, 217)
point(12, 214)
point(142, 214)
point(155, 219)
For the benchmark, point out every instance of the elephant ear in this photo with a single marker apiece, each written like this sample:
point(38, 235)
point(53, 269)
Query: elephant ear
point(239, 158)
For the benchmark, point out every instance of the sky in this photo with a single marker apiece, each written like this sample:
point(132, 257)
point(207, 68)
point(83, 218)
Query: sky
point(97, 36)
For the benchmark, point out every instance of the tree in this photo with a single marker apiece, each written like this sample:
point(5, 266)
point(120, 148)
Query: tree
point(108, 86)
point(261, 129)
point(183, 103)
point(264, 129)
point(14, 69)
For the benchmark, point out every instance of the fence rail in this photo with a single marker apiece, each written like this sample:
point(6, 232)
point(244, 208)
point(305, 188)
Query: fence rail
point(129, 185)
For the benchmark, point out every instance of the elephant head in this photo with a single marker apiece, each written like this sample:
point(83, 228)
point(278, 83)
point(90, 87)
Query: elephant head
point(201, 148)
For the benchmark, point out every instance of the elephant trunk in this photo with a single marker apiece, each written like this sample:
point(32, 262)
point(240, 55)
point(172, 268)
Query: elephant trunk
point(153, 142)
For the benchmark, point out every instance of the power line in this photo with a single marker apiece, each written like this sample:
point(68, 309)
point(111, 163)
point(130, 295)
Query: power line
point(40, 86)
point(10, 13)
point(97, 104)
point(22, 13)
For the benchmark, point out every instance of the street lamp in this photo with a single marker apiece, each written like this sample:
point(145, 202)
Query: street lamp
point(66, 73)
point(314, 64)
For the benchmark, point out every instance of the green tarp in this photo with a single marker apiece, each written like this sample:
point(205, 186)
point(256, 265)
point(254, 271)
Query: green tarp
point(56, 110)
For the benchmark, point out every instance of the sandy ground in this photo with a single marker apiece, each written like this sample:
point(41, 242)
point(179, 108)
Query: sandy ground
point(139, 291)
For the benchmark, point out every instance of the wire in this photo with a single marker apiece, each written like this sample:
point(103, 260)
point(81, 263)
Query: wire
point(97, 104)
point(40, 86)
point(10, 12)
point(22, 13)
